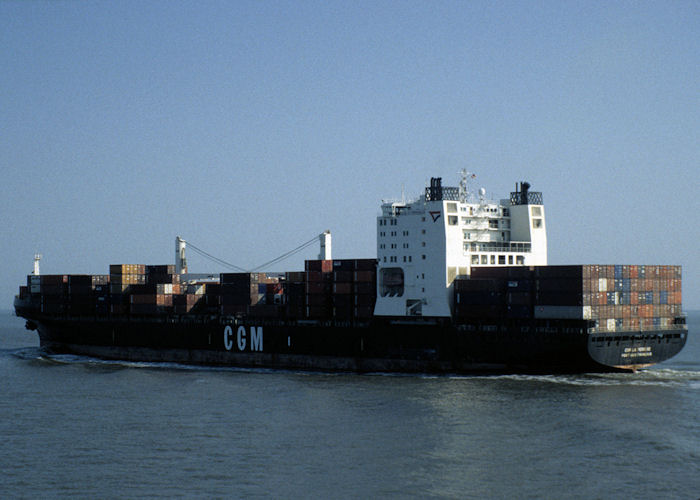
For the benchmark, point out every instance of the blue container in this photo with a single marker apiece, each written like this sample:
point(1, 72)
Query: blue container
point(618, 272)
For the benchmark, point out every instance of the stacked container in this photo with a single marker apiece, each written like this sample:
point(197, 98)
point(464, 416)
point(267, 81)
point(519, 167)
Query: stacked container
point(53, 289)
point(480, 299)
point(246, 293)
point(295, 293)
point(319, 289)
point(364, 288)
point(616, 297)
point(88, 294)
point(155, 295)
point(344, 289)
point(121, 278)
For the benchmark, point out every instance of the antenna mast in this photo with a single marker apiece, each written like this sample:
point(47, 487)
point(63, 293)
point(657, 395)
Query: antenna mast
point(465, 192)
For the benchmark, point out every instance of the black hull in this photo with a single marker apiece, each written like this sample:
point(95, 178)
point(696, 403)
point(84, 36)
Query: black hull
point(377, 346)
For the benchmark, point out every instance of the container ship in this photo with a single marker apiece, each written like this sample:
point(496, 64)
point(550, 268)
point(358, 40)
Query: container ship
point(460, 284)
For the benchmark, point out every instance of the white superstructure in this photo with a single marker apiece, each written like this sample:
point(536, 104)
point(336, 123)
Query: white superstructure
point(422, 245)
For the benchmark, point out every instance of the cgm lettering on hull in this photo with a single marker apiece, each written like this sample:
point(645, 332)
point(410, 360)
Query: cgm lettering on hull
point(251, 341)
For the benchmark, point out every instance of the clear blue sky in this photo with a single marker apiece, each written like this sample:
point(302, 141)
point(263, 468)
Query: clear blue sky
point(249, 127)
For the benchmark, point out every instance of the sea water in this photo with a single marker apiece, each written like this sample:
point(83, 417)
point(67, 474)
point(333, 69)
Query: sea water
point(79, 427)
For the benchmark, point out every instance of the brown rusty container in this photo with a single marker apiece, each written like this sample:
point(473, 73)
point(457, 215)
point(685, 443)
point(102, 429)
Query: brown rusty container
point(343, 276)
point(342, 288)
point(364, 276)
point(318, 287)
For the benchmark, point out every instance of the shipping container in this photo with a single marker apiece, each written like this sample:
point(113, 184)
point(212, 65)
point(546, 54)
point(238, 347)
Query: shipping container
point(343, 276)
point(365, 264)
point(117, 269)
point(295, 276)
point(325, 266)
point(342, 288)
point(318, 287)
point(365, 288)
point(344, 265)
point(53, 279)
point(160, 269)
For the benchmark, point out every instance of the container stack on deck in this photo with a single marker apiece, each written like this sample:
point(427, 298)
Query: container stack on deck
point(245, 293)
point(342, 289)
point(121, 278)
point(328, 289)
point(622, 297)
point(88, 294)
point(319, 289)
point(295, 294)
point(53, 290)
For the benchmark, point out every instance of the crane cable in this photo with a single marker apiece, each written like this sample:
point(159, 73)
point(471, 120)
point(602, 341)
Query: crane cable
point(212, 258)
point(288, 254)
point(268, 263)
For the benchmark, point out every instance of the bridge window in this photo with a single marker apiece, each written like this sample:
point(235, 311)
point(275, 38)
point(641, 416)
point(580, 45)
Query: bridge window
point(391, 282)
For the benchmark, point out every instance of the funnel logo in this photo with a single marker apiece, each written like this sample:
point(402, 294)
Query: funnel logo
point(435, 215)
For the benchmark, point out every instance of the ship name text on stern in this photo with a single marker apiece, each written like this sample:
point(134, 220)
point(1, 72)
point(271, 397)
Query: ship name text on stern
point(256, 338)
